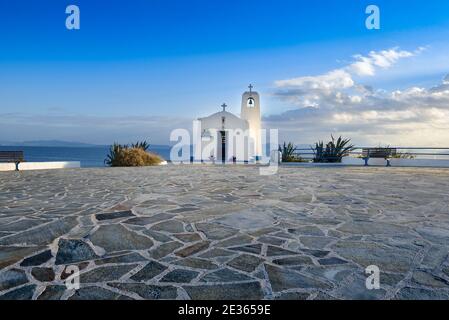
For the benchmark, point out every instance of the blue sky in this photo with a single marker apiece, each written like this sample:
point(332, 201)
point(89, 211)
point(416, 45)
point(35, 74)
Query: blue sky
point(136, 69)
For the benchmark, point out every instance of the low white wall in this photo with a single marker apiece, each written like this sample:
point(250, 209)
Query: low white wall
point(7, 166)
point(311, 164)
point(351, 161)
point(49, 165)
point(397, 162)
point(420, 163)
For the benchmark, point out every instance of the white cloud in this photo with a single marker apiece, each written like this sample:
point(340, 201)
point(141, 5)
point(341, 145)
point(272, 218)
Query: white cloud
point(366, 65)
point(335, 103)
point(446, 79)
point(336, 79)
point(314, 91)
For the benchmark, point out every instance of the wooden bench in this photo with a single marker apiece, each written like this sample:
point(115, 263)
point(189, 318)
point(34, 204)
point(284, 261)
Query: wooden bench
point(12, 156)
point(382, 153)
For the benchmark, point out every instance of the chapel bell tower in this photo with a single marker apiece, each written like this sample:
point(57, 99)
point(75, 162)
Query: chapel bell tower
point(251, 112)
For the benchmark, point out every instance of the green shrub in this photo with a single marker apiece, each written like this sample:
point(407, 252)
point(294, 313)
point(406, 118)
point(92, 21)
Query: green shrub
point(333, 151)
point(288, 153)
point(403, 155)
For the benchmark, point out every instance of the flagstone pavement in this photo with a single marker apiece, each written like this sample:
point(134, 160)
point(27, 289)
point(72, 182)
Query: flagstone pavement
point(214, 232)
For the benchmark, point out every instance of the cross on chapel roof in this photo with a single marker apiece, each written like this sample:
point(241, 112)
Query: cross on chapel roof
point(224, 105)
point(250, 87)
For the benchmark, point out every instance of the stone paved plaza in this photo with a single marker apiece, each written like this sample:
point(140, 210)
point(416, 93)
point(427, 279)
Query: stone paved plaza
point(214, 232)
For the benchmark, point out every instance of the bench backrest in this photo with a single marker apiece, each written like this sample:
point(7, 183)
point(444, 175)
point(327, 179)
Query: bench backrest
point(378, 152)
point(11, 156)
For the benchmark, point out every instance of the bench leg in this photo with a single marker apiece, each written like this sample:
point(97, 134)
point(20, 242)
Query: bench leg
point(17, 166)
point(366, 161)
point(388, 163)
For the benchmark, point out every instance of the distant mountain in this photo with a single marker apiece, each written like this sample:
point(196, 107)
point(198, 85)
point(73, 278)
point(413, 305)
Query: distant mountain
point(48, 143)
point(7, 143)
point(59, 143)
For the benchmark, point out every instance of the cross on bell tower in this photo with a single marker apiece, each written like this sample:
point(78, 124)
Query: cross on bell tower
point(250, 87)
point(224, 106)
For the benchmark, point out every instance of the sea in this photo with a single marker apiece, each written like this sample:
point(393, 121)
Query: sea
point(89, 157)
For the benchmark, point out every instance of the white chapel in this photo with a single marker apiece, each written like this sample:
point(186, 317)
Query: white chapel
point(226, 137)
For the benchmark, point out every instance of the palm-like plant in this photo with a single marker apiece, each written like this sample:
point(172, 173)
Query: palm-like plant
point(114, 153)
point(141, 145)
point(333, 151)
point(287, 151)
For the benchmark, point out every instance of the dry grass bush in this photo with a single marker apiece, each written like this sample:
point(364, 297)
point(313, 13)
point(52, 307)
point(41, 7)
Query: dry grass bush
point(134, 156)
